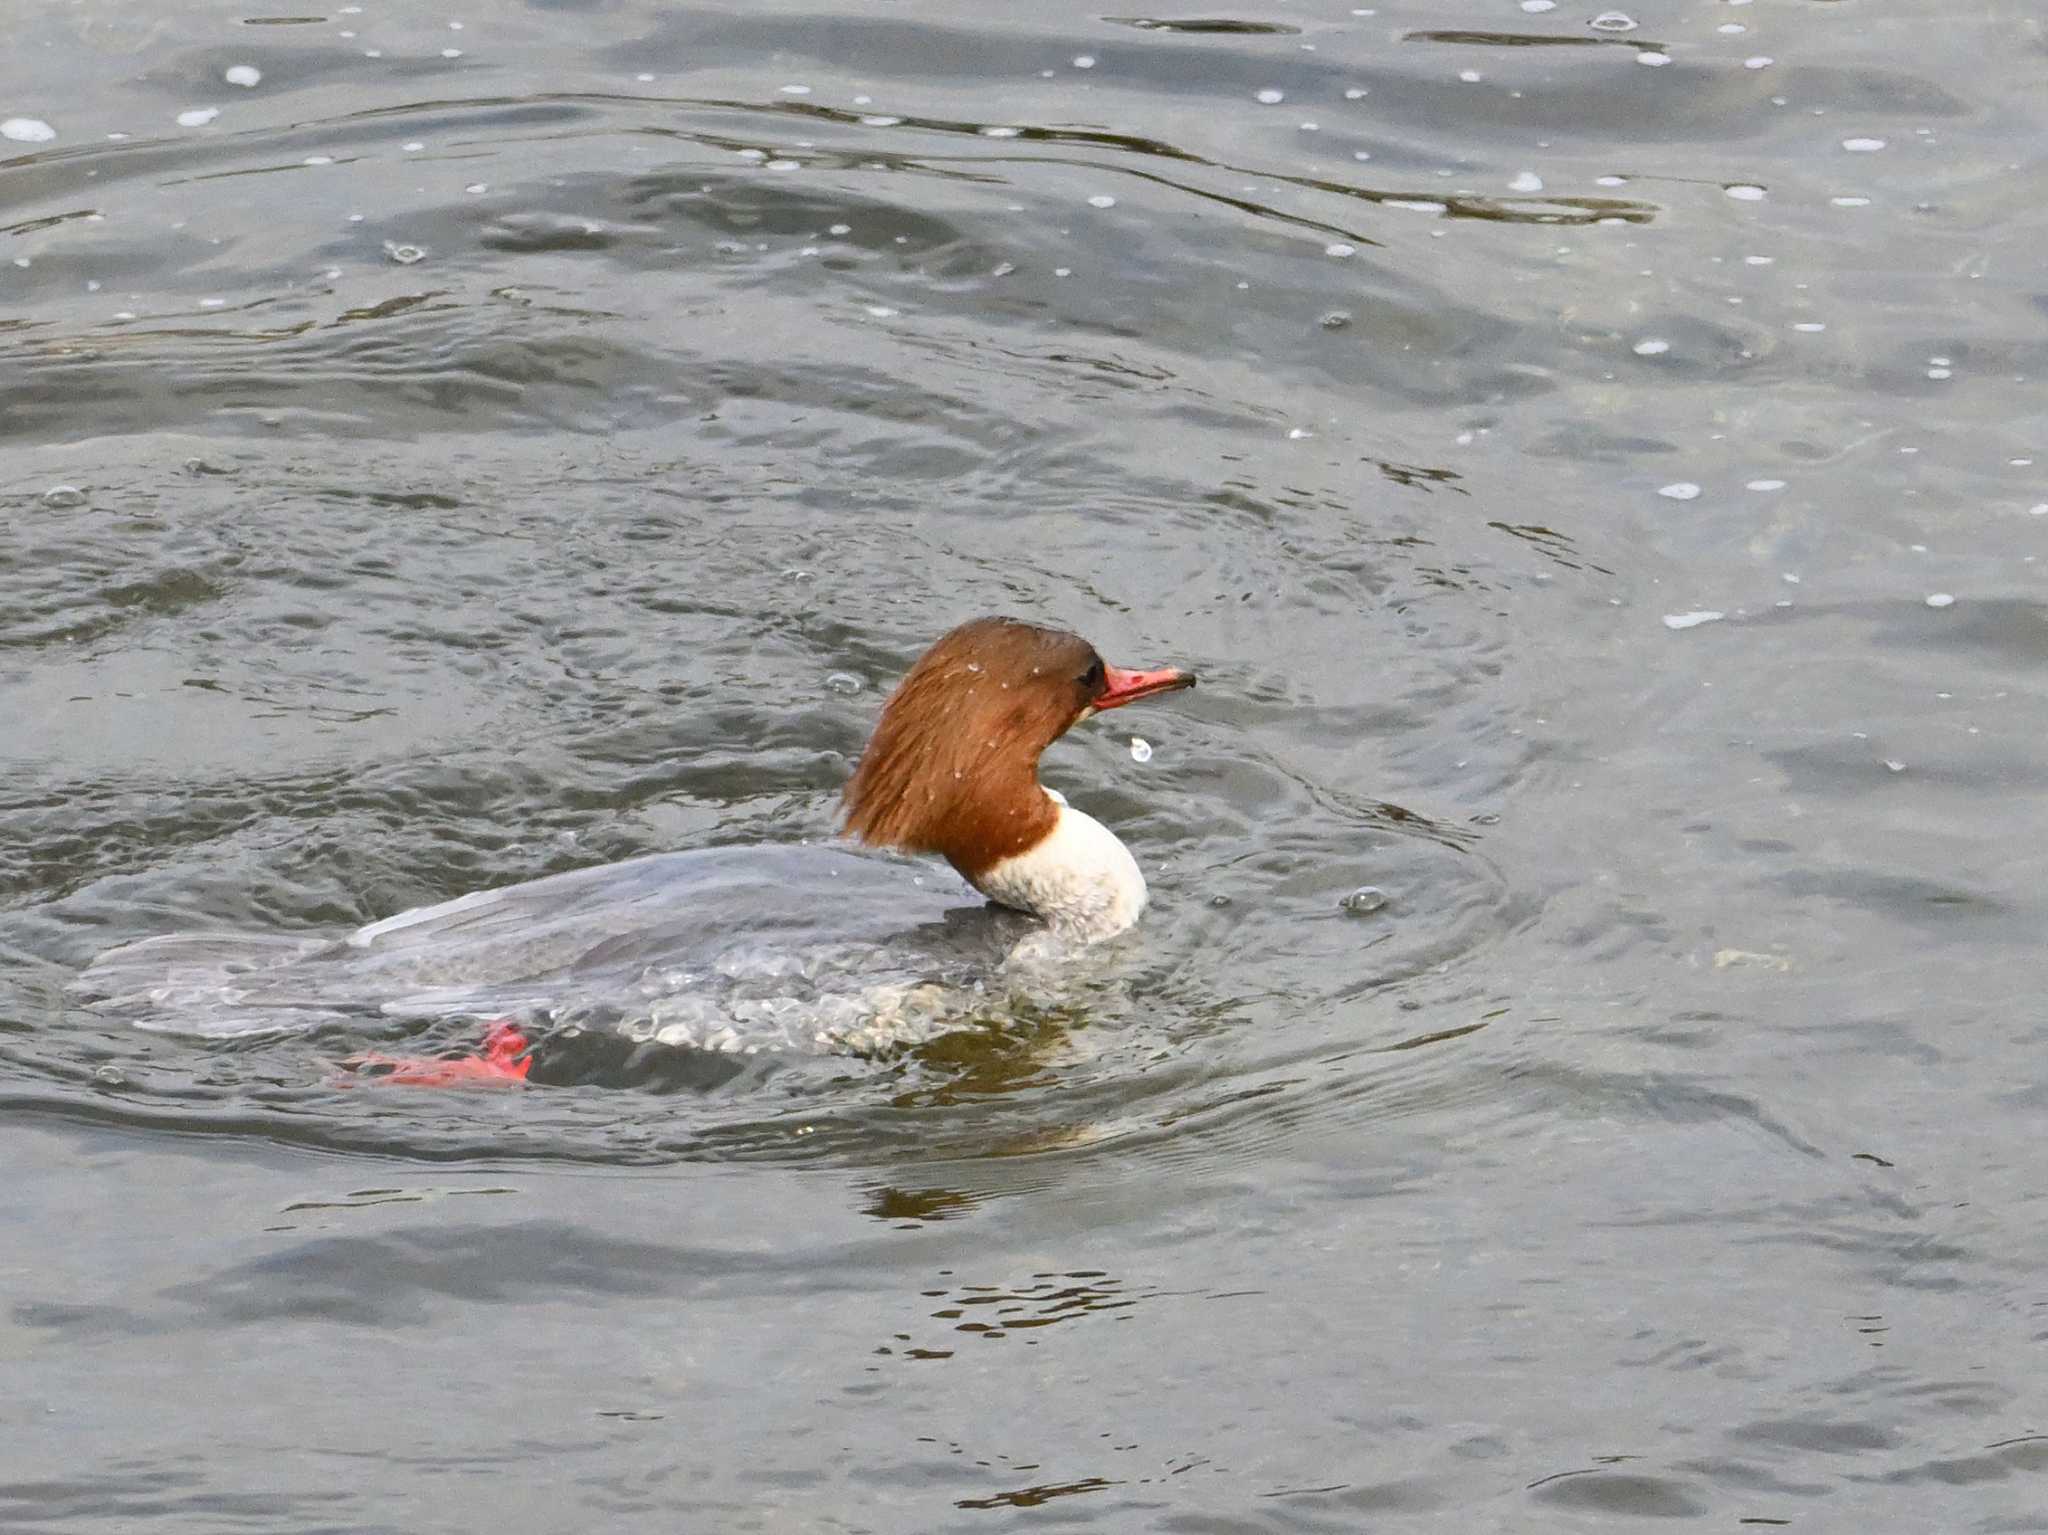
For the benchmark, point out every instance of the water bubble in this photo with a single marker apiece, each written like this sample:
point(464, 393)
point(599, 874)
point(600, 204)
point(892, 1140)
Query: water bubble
point(1765, 485)
point(197, 117)
point(840, 229)
point(1653, 58)
point(244, 75)
point(1365, 900)
point(843, 682)
point(881, 120)
point(1538, 7)
point(1526, 181)
point(796, 90)
point(1651, 347)
point(1810, 327)
point(109, 1076)
point(1941, 599)
point(1336, 319)
point(318, 160)
point(404, 255)
point(1355, 92)
point(1693, 619)
point(1849, 202)
point(451, 53)
point(1297, 433)
point(63, 496)
point(1863, 146)
point(477, 188)
point(1470, 76)
point(2040, 509)
point(1339, 248)
point(1102, 200)
point(1272, 97)
point(1892, 764)
point(1759, 61)
point(1745, 192)
point(1000, 133)
point(1613, 21)
point(1141, 749)
point(881, 311)
point(27, 130)
point(785, 165)
point(1681, 490)
point(1084, 61)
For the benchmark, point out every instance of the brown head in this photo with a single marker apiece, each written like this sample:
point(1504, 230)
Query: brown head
point(952, 767)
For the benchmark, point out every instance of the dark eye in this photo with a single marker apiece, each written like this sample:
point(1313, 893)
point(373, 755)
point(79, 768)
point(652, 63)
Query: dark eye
point(1093, 678)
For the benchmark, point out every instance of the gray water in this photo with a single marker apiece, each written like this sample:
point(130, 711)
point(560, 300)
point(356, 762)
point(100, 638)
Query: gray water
point(477, 451)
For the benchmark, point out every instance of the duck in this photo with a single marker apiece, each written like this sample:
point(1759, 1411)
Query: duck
point(740, 946)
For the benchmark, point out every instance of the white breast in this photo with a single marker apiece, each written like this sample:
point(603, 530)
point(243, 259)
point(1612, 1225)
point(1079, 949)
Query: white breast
point(1080, 879)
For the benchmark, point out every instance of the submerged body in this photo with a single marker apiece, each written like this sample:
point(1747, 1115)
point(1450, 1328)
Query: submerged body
point(791, 947)
point(794, 948)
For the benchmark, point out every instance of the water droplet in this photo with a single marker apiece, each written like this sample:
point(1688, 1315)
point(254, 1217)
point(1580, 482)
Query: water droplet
point(197, 117)
point(1694, 619)
point(1941, 600)
point(244, 75)
point(27, 130)
point(1365, 900)
point(1141, 749)
point(1681, 490)
point(404, 255)
point(63, 496)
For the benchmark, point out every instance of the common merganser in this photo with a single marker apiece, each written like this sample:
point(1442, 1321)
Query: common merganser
point(728, 947)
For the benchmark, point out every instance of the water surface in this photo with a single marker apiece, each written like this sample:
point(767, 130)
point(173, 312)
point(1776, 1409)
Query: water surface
point(1598, 473)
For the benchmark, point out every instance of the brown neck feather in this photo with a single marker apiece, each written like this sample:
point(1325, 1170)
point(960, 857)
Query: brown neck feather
point(952, 767)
